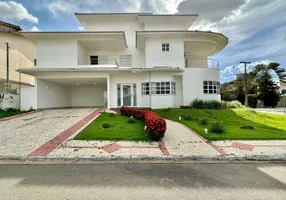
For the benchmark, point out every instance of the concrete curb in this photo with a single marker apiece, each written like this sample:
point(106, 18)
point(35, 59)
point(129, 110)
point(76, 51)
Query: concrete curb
point(139, 159)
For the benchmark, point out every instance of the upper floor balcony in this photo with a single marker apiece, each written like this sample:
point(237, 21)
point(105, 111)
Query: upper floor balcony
point(202, 63)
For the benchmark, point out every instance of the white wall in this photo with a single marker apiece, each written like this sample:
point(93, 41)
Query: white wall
point(10, 101)
point(81, 54)
point(156, 57)
point(129, 27)
point(165, 25)
point(193, 84)
point(28, 98)
point(56, 96)
point(157, 101)
point(87, 96)
point(56, 53)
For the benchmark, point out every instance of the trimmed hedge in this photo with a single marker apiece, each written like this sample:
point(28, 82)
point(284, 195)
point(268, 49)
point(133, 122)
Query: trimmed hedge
point(156, 125)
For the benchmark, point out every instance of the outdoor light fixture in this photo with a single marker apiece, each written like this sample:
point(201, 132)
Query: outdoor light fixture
point(94, 83)
point(70, 91)
point(77, 83)
point(48, 86)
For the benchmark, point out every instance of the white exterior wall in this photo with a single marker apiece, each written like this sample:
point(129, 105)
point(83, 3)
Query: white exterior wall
point(87, 96)
point(193, 84)
point(166, 25)
point(129, 27)
point(10, 101)
point(81, 54)
point(56, 53)
point(56, 96)
point(154, 101)
point(28, 98)
point(156, 57)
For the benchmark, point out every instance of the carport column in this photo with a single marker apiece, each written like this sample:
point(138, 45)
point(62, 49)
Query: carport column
point(108, 92)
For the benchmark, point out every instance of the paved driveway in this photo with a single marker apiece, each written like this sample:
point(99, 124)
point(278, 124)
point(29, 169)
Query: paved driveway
point(271, 110)
point(21, 136)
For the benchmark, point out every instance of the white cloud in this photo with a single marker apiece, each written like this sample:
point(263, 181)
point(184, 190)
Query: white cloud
point(15, 11)
point(34, 29)
point(81, 28)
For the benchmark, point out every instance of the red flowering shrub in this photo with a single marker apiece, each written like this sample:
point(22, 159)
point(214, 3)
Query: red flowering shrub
point(156, 125)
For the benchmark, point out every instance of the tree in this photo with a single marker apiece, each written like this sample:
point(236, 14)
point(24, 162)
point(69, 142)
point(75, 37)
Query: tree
point(268, 91)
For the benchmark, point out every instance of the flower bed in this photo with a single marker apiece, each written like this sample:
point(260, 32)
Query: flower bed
point(155, 125)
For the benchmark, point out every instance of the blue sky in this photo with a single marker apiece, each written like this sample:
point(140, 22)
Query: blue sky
point(256, 28)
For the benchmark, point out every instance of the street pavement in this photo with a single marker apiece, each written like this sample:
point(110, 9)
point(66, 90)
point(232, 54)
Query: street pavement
point(143, 181)
point(280, 110)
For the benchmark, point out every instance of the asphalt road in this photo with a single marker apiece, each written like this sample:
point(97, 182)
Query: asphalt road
point(143, 181)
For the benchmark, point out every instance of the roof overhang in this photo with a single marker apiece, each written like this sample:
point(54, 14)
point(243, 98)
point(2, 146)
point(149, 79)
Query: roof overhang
point(210, 43)
point(36, 70)
point(118, 36)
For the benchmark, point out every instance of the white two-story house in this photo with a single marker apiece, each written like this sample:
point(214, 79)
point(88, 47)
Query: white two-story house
point(124, 59)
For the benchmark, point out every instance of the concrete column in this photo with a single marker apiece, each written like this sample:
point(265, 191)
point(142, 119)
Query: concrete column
point(108, 92)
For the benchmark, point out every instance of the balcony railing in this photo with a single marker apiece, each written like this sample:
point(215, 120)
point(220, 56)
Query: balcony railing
point(202, 63)
point(98, 61)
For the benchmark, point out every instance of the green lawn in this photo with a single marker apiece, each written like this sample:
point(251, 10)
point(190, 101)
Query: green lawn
point(266, 126)
point(120, 129)
point(8, 113)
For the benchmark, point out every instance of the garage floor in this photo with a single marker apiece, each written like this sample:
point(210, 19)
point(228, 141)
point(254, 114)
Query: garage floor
point(20, 136)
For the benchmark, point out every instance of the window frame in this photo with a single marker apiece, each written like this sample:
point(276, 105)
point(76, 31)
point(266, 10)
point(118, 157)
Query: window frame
point(165, 47)
point(125, 60)
point(158, 88)
point(211, 87)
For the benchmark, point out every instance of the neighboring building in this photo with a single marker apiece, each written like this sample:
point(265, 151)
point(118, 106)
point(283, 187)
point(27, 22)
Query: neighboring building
point(22, 53)
point(282, 86)
point(124, 59)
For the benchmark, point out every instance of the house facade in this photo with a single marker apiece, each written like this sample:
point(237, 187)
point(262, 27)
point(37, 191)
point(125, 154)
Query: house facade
point(124, 59)
point(22, 53)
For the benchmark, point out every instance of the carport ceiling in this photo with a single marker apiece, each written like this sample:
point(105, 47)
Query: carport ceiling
point(78, 81)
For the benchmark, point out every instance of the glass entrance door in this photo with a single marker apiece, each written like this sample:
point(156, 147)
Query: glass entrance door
point(127, 95)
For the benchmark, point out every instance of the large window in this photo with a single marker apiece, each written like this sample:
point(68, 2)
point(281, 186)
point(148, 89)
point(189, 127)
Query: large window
point(165, 47)
point(158, 88)
point(211, 87)
point(125, 60)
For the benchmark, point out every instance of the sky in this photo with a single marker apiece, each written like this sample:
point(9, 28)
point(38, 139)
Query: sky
point(256, 28)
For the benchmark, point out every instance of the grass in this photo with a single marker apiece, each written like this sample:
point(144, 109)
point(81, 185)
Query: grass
point(266, 126)
point(120, 129)
point(9, 113)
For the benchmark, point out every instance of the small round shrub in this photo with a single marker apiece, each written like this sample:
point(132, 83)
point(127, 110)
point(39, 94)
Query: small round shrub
point(131, 120)
point(247, 127)
point(166, 109)
point(204, 122)
point(197, 104)
point(110, 114)
point(217, 128)
point(231, 104)
point(106, 125)
point(187, 117)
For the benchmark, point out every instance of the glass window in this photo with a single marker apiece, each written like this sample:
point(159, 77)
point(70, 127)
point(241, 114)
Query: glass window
point(158, 88)
point(211, 87)
point(125, 60)
point(134, 95)
point(165, 47)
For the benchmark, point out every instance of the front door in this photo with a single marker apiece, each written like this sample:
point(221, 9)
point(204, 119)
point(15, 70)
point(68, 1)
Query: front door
point(126, 95)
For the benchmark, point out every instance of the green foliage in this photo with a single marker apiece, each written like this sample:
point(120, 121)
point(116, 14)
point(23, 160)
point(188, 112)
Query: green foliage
point(247, 127)
point(131, 120)
point(200, 104)
point(187, 117)
point(166, 109)
point(217, 127)
point(120, 130)
point(110, 114)
point(197, 104)
point(204, 122)
point(252, 100)
point(105, 125)
point(231, 104)
point(266, 126)
point(268, 90)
